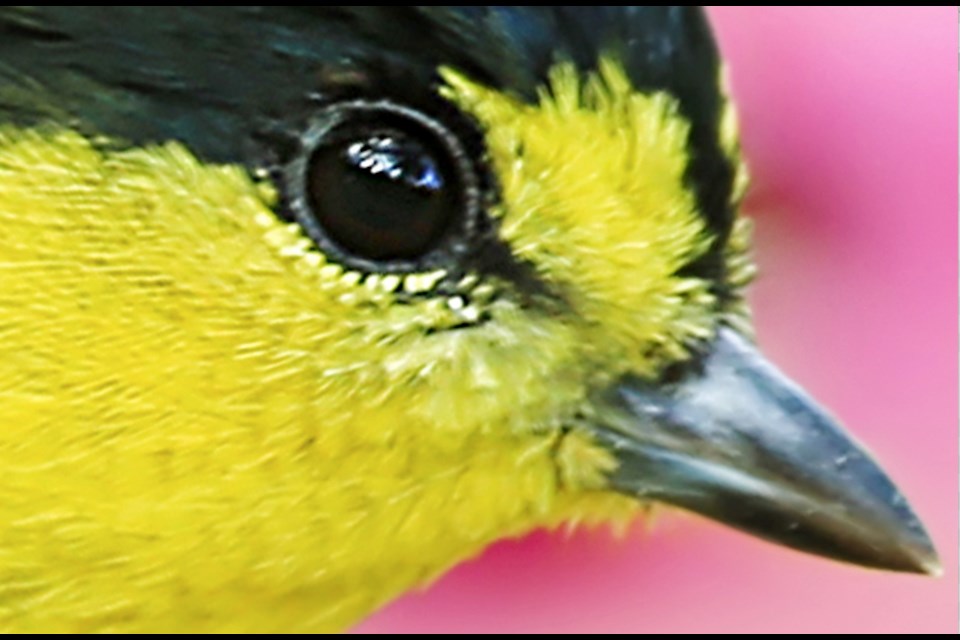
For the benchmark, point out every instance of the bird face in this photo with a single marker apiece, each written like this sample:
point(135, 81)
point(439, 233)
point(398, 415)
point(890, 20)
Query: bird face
point(288, 332)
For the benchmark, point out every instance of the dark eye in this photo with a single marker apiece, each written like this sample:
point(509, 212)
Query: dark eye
point(383, 195)
point(385, 185)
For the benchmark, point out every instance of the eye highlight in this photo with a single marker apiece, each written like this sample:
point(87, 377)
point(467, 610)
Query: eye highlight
point(385, 188)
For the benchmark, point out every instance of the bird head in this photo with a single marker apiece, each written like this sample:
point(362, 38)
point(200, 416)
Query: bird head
point(301, 306)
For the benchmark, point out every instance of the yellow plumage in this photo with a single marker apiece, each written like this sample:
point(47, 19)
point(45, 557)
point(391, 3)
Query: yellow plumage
point(208, 427)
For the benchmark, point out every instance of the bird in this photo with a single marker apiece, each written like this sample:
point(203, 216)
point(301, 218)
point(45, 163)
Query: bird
point(300, 307)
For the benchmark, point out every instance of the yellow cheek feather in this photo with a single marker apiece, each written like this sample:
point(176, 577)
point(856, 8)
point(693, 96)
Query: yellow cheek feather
point(594, 195)
point(206, 426)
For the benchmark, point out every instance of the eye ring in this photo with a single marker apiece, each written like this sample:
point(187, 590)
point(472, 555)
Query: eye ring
point(368, 149)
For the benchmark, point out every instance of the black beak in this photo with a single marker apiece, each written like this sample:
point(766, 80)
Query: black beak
point(737, 442)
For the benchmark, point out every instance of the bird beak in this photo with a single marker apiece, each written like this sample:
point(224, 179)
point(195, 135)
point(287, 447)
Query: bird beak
point(738, 442)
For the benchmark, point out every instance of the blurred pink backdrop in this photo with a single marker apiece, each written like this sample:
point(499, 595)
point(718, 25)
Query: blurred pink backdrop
point(850, 125)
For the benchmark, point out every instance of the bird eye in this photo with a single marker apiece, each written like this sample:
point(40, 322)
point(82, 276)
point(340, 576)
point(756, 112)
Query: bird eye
point(383, 194)
point(384, 186)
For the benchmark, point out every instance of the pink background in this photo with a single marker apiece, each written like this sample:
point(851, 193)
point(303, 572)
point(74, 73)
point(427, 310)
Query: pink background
point(850, 119)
